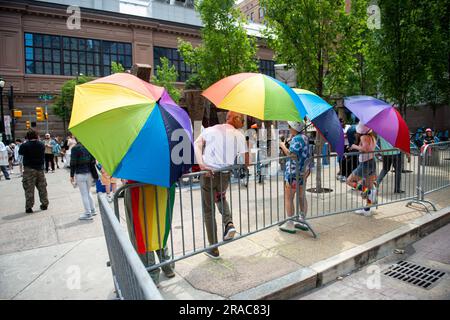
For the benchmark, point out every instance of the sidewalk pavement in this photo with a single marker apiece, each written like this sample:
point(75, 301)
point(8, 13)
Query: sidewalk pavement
point(371, 283)
point(52, 255)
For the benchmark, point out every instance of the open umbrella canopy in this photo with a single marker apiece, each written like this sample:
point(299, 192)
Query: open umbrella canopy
point(323, 117)
point(256, 95)
point(131, 127)
point(382, 118)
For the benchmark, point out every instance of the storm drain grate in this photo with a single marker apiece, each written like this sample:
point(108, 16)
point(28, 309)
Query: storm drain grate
point(414, 274)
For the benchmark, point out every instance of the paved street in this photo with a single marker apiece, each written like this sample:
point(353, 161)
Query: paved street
point(370, 283)
point(51, 254)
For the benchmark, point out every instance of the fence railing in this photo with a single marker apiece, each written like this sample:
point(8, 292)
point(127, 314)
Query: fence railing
point(131, 280)
point(184, 219)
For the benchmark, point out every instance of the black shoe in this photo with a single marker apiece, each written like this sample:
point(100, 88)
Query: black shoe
point(213, 253)
point(8, 178)
point(29, 210)
point(399, 191)
point(43, 207)
point(230, 231)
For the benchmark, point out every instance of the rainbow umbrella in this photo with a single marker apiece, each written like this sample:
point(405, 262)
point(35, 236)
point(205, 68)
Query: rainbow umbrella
point(256, 95)
point(323, 117)
point(382, 118)
point(131, 127)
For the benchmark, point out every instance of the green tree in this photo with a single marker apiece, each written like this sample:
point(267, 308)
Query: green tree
point(117, 67)
point(63, 103)
point(398, 49)
point(310, 35)
point(225, 50)
point(165, 76)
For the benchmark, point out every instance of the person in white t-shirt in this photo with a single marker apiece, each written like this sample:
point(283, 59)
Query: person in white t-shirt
point(217, 148)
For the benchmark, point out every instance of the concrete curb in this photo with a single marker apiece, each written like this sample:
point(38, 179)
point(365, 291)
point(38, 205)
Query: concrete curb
point(328, 270)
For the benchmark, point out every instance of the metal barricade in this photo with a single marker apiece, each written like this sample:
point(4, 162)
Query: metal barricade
point(192, 224)
point(131, 280)
point(434, 171)
point(330, 191)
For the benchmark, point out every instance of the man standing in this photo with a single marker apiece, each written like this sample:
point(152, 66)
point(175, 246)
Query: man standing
point(216, 148)
point(33, 174)
point(49, 143)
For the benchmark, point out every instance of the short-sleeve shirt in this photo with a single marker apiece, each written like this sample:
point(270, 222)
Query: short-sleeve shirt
point(223, 143)
point(299, 146)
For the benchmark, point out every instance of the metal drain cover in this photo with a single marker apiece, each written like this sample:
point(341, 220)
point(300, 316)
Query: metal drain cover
point(414, 274)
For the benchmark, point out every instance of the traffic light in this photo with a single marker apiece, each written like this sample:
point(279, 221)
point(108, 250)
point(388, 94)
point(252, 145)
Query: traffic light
point(28, 124)
point(40, 114)
point(17, 113)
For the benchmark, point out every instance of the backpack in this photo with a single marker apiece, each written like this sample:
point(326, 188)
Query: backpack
point(56, 148)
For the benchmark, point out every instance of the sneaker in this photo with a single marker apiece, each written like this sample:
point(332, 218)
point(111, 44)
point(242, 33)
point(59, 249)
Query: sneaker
point(301, 225)
point(364, 212)
point(93, 213)
point(29, 210)
point(85, 216)
point(168, 272)
point(288, 226)
point(230, 231)
point(213, 253)
point(43, 207)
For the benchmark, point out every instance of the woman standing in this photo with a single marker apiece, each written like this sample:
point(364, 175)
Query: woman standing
point(296, 168)
point(82, 171)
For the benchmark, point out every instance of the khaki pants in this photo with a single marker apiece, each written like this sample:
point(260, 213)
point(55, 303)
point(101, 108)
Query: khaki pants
point(213, 192)
point(34, 178)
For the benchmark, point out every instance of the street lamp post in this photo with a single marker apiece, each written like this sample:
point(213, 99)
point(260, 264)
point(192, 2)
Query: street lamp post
point(2, 84)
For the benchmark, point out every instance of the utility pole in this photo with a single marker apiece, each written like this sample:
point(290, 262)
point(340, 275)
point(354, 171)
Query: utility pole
point(46, 97)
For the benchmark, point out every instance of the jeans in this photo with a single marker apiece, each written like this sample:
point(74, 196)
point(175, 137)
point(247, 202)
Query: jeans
point(84, 182)
point(49, 160)
point(5, 171)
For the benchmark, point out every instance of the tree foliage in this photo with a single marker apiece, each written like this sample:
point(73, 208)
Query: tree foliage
point(117, 67)
point(310, 36)
point(225, 50)
point(165, 76)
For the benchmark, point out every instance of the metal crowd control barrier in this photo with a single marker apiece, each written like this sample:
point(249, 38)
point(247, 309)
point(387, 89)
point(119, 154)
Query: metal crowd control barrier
point(434, 173)
point(131, 280)
point(254, 206)
point(194, 225)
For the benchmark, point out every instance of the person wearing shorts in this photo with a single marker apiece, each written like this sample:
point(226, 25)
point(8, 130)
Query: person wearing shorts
point(364, 176)
point(295, 174)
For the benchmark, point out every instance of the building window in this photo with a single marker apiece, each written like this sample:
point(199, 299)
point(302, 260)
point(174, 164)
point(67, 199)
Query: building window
point(57, 55)
point(267, 67)
point(174, 57)
point(261, 13)
point(251, 17)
